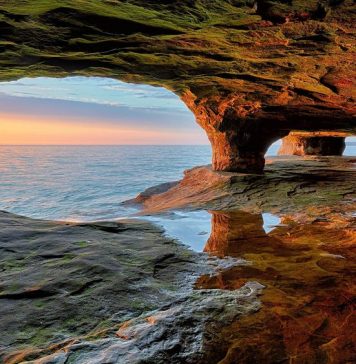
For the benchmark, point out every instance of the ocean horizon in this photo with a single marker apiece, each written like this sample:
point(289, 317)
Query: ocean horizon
point(89, 183)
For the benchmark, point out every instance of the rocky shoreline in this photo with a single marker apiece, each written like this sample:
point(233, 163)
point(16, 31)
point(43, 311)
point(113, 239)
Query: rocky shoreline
point(67, 288)
point(123, 292)
point(251, 72)
point(287, 186)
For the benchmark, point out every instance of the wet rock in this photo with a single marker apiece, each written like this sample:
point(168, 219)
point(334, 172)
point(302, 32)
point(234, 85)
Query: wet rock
point(164, 187)
point(61, 280)
point(117, 292)
point(177, 333)
point(288, 184)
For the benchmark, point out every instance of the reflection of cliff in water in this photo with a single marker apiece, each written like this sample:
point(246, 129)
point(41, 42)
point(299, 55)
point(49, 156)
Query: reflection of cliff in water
point(234, 232)
point(307, 313)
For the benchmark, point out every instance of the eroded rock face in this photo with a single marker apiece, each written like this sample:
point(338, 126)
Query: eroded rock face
point(238, 142)
point(290, 183)
point(251, 71)
point(296, 144)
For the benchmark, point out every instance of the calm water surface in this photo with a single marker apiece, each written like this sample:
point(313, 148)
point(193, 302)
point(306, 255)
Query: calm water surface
point(193, 228)
point(86, 183)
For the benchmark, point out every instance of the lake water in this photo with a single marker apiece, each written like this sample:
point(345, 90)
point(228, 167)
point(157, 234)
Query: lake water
point(193, 228)
point(86, 183)
point(81, 183)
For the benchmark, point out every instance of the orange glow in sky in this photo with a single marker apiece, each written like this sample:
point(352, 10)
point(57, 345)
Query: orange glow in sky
point(20, 129)
point(91, 110)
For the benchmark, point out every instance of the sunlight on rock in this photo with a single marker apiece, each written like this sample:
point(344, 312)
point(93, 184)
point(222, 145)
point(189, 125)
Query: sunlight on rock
point(198, 158)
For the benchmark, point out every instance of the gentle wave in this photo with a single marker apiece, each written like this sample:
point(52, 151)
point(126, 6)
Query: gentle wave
point(86, 183)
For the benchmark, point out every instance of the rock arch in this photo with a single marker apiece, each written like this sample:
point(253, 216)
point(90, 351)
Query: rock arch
point(317, 143)
point(251, 74)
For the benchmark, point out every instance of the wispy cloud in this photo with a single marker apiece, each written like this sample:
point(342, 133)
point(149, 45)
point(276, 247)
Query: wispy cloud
point(96, 90)
point(93, 110)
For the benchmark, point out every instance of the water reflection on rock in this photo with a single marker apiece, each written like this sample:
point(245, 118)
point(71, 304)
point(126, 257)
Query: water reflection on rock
point(267, 291)
point(306, 265)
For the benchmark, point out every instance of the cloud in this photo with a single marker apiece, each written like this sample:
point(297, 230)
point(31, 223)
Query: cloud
point(99, 103)
point(96, 90)
point(164, 118)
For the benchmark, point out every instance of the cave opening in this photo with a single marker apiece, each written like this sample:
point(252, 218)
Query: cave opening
point(350, 143)
point(241, 135)
point(313, 144)
point(80, 146)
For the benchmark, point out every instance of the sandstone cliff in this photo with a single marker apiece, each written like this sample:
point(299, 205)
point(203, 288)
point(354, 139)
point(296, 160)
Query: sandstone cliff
point(251, 71)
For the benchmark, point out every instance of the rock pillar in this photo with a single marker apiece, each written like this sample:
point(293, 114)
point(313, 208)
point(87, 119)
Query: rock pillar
point(239, 140)
point(312, 144)
point(230, 156)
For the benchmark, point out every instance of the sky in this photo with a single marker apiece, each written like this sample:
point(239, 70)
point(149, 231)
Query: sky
point(83, 110)
point(80, 110)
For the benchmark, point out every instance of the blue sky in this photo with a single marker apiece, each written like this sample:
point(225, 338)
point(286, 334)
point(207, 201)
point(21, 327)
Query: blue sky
point(154, 115)
point(95, 90)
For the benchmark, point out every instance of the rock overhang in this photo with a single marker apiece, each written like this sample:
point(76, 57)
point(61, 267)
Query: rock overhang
point(251, 71)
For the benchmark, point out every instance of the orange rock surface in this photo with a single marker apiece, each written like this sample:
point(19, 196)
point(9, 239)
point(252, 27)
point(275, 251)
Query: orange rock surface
point(307, 266)
point(250, 71)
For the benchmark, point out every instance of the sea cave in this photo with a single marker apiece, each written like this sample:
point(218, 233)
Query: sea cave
point(248, 259)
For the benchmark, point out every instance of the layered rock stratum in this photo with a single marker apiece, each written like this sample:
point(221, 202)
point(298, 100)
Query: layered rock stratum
point(288, 185)
point(250, 70)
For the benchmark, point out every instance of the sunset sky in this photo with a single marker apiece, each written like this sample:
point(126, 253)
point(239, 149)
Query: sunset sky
point(80, 110)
